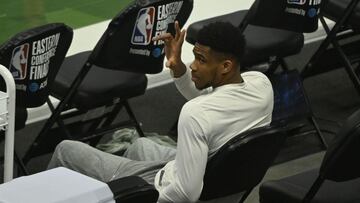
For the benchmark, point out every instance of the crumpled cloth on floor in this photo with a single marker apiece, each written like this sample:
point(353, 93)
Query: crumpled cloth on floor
point(123, 138)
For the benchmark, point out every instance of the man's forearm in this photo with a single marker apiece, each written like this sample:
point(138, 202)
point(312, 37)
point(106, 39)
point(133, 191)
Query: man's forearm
point(178, 69)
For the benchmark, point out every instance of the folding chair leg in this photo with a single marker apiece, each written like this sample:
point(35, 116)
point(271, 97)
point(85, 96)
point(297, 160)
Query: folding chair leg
point(21, 166)
point(245, 195)
point(348, 67)
point(357, 70)
point(319, 52)
point(58, 121)
point(105, 123)
point(314, 188)
point(57, 111)
point(132, 116)
point(319, 133)
point(95, 124)
point(331, 35)
point(112, 116)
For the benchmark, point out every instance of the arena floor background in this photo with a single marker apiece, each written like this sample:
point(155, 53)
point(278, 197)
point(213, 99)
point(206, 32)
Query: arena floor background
point(16, 15)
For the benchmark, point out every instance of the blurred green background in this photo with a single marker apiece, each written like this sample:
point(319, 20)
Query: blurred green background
point(18, 15)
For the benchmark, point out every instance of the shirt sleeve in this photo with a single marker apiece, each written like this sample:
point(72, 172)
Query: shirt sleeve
point(190, 161)
point(187, 87)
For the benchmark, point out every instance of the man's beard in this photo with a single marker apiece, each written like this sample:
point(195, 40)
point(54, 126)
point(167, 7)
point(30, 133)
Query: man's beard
point(203, 86)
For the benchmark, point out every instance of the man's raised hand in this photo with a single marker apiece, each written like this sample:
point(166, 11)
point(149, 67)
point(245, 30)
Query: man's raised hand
point(173, 47)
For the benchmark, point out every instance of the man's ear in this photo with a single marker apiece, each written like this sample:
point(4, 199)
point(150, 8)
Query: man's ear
point(227, 66)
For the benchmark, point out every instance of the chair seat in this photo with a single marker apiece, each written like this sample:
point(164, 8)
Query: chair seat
point(292, 189)
point(261, 42)
point(334, 9)
point(100, 85)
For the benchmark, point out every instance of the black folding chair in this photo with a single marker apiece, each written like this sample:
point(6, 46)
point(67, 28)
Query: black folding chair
point(271, 32)
point(106, 77)
point(236, 168)
point(240, 164)
point(337, 180)
point(344, 39)
point(34, 57)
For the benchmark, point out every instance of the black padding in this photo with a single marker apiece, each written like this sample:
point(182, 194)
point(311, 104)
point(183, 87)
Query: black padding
point(126, 44)
point(334, 9)
point(295, 15)
point(341, 162)
point(100, 86)
point(261, 42)
point(241, 163)
point(340, 171)
point(34, 58)
point(133, 189)
point(293, 189)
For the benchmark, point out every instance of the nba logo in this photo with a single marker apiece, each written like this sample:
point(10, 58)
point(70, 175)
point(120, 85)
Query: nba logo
point(143, 26)
point(18, 63)
point(298, 2)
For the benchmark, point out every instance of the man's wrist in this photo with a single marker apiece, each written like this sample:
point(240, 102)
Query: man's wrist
point(178, 70)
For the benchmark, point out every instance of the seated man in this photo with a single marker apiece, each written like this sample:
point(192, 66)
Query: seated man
point(222, 103)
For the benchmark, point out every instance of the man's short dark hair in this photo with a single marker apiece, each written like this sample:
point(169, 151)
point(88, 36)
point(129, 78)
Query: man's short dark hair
point(223, 37)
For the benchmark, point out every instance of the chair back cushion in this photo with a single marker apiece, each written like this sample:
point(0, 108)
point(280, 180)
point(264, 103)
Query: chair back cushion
point(241, 163)
point(34, 58)
point(341, 161)
point(295, 15)
point(127, 43)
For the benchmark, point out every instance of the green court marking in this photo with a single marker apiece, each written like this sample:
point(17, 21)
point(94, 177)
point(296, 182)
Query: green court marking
point(19, 15)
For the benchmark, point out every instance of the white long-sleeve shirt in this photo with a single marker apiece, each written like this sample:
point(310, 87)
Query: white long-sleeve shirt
point(208, 120)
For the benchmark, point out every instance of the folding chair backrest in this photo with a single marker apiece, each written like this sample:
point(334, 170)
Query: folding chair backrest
point(341, 161)
point(241, 163)
point(294, 15)
point(335, 9)
point(34, 58)
point(127, 43)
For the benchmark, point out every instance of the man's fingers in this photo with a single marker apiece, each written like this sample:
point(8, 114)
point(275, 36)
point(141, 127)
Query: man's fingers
point(177, 30)
point(179, 35)
point(165, 37)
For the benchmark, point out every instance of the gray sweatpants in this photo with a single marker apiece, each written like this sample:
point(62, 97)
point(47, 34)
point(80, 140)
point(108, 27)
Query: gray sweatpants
point(143, 158)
